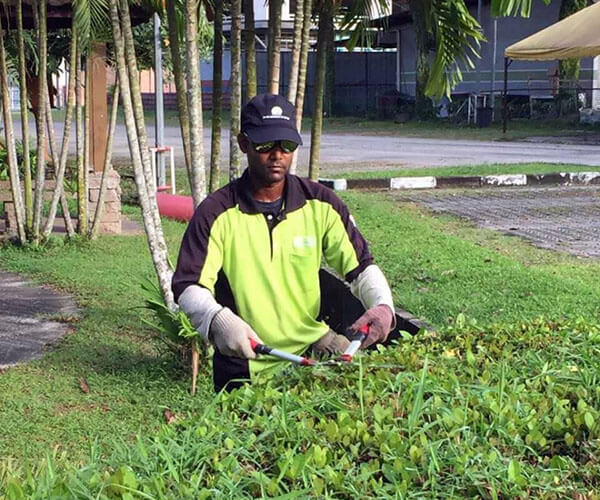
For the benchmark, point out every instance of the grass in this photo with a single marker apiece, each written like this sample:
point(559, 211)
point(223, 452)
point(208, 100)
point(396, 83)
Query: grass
point(466, 170)
point(440, 268)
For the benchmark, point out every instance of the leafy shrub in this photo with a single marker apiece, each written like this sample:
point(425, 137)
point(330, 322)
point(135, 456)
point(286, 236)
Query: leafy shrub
point(511, 412)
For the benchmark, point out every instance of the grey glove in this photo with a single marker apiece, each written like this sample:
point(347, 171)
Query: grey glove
point(329, 344)
point(380, 320)
point(231, 335)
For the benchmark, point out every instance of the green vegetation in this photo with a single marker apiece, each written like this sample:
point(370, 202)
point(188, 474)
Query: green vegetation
point(467, 170)
point(498, 403)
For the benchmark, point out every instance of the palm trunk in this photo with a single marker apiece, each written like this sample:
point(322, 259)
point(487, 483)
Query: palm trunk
point(59, 162)
point(194, 101)
point(215, 145)
point(15, 182)
point(24, 119)
point(330, 72)
point(142, 137)
point(235, 156)
point(82, 180)
point(81, 195)
point(317, 121)
point(41, 123)
point(296, 49)
point(156, 242)
point(62, 162)
point(274, 45)
point(423, 108)
point(178, 74)
point(303, 64)
point(107, 163)
point(249, 34)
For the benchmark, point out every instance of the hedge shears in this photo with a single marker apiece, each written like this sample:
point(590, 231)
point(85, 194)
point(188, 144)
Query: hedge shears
point(356, 337)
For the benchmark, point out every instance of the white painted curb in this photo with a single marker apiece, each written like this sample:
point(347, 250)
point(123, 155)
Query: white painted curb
point(505, 180)
point(413, 183)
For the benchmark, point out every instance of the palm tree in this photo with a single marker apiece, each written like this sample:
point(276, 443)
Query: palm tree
point(250, 46)
point(326, 11)
point(24, 118)
point(40, 17)
point(274, 47)
point(235, 83)
point(302, 66)
point(129, 87)
point(194, 100)
point(215, 146)
point(296, 49)
point(15, 183)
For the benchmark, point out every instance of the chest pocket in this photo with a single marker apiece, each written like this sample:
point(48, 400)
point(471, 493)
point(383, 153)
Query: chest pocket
point(304, 258)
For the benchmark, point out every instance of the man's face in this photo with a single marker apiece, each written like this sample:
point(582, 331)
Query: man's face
point(267, 168)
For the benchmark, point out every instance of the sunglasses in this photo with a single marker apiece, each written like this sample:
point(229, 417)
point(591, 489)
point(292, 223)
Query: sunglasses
point(265, 147)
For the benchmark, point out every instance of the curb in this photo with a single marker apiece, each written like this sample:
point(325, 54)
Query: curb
point(427, 182)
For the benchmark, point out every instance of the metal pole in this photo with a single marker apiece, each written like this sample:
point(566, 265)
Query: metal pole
point(493, 80)
point(398, 59)
point(504, 97)
point(159, 124)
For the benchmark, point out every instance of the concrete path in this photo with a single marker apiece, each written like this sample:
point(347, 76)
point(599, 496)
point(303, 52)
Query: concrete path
point(28, 314)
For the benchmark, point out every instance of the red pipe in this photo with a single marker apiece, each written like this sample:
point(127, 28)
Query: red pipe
point(175, 206)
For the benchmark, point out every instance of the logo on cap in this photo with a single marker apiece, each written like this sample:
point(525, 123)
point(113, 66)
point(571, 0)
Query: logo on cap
point(276, 114)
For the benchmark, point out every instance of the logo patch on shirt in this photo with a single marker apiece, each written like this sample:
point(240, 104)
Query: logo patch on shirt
point(304, 242)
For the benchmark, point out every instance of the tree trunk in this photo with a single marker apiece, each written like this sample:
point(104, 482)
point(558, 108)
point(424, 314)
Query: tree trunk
point(179, 76)
point(156, 242)
point(41, 122)
point(330, 72)
point(296, 49)
point(60, 166)
point(107, 164)
point(423, 107)
point(24, 119)
point(215, 144)
point(235, 84)
point(317, 120)
point(250, 53)
point(274, 45)
point(138, 111)
point(82, 177)
point(194, 101)
point(79, 139)
point(15, 182)
point(59, 162)
point(306, 24)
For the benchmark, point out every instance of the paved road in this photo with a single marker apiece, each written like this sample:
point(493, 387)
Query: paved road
point(353, 149)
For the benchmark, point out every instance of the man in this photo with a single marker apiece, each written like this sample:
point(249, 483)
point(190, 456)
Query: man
point(249, 262)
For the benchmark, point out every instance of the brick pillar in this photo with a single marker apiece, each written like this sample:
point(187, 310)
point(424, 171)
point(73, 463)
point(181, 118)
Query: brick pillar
point(111, 216)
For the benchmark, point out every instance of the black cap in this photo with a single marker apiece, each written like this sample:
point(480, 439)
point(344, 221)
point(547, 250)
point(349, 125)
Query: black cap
point(270, 117)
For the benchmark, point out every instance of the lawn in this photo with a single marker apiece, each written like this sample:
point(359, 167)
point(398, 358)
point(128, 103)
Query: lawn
point(501, 402)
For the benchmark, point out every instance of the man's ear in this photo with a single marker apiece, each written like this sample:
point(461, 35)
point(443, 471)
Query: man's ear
point(243, 142)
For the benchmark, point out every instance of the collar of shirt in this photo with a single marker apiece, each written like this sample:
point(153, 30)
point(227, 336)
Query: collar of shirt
point(294, 196)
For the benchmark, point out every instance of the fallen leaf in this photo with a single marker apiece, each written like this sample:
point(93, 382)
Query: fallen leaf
point(169, 416)
point(84, 385)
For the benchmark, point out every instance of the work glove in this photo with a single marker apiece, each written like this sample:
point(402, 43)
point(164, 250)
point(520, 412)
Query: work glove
point(231, 335)
point(380, 320)
point(329, 344)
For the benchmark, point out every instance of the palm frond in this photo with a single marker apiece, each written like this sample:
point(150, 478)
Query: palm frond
point(502, 8)
point(458, 37)
point(356, 20)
